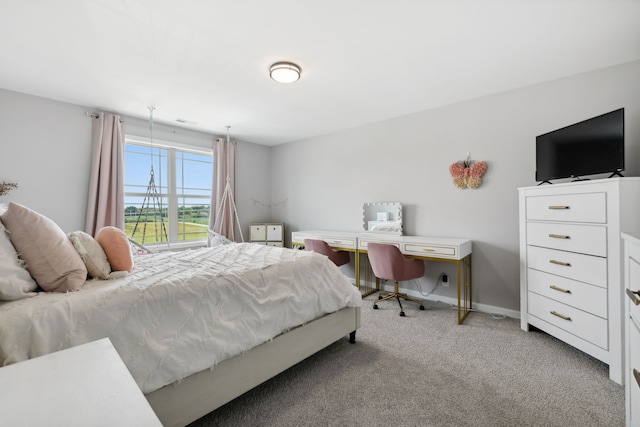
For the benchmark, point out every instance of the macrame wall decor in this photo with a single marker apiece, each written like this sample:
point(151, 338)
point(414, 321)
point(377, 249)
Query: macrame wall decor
point(467, 173)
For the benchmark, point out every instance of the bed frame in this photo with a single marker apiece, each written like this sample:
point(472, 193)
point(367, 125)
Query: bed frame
point(183, 402)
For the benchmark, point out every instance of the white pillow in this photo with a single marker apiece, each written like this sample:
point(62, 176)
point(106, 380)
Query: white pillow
point(92, 254)
point(15, 281)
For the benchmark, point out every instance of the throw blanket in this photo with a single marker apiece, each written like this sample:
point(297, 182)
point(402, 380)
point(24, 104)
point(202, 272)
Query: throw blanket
point(181, 312)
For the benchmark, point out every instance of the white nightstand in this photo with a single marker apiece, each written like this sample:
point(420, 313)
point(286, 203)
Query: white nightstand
point(87, 385)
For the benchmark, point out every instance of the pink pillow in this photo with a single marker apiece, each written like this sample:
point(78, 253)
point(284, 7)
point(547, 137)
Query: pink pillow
point(48, 254)
point(116, 246)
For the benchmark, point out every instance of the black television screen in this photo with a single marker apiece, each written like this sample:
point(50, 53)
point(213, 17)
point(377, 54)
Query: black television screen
point(590, 147)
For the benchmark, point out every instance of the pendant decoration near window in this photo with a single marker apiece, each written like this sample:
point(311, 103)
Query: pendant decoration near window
point(467, 173)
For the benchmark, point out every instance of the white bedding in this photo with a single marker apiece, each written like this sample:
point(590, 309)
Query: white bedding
point(182, 312)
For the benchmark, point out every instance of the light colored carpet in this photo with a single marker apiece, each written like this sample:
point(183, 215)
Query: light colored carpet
point(425, 370)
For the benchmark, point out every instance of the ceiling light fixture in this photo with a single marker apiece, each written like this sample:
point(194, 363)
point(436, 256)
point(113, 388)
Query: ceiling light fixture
point(285, 72)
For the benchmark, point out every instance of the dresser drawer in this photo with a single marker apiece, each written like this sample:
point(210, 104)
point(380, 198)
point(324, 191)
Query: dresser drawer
point(633, 373)
point(586, 239)
point(633, 283)
point(584, 268)
point(577, 322)
point(585, 207)
point(589, 298)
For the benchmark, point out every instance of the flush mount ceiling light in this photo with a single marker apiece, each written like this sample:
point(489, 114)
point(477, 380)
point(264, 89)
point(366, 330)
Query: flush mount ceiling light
point(284, 72)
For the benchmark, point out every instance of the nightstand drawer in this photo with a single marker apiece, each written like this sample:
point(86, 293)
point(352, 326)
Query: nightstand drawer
point(586, 207)
point(589, 298)
point(584, 268)
point(577, 322)
point(585, 239)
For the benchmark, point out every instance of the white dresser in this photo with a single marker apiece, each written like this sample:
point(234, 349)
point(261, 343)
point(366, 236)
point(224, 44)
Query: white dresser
point(571, 264)
point(632, 327)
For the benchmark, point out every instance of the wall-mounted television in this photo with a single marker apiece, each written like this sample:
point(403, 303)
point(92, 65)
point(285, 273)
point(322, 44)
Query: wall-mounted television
point(587, 148)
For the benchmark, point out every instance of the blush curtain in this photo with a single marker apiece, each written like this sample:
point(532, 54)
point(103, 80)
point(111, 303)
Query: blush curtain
point(105, 206)
point(223, 217)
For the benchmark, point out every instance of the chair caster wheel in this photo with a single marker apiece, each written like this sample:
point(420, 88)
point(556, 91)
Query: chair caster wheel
point(422, 307)
point(375, 306)
point(402, 314)
point(379, 296)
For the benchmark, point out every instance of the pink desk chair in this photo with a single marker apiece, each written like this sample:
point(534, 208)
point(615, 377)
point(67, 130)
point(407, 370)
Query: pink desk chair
point(387, 262)
point(320, 246)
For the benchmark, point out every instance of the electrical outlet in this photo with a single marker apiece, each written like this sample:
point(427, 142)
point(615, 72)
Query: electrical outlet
point(445, 280)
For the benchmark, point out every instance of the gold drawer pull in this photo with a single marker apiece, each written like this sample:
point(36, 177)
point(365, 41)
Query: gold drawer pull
point(559, 236)
point(564, 264)
point(428, 250)
point(555, 288)
point(559, 207)
point(636, 375)
point(561, 316)
point(632, 296)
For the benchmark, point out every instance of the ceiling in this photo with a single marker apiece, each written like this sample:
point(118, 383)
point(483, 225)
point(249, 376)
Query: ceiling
point(362, 61)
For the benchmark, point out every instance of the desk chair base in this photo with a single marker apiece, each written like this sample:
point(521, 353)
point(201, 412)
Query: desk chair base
point(397, 295)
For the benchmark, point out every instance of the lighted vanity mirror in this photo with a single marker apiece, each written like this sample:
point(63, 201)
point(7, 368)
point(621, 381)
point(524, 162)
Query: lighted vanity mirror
point(382, 217)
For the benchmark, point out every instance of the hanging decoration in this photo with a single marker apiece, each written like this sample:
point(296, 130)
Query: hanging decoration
point(152, 203)
point(269, 205)
point(467, 173)
point(228, 204)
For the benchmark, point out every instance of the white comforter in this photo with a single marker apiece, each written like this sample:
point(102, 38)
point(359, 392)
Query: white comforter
point(183, 312)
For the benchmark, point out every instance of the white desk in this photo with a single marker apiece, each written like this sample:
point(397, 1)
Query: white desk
point(87, 385)
point(457, 251)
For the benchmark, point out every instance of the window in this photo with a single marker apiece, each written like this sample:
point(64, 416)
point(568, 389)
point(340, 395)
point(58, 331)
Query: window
point(178, 205)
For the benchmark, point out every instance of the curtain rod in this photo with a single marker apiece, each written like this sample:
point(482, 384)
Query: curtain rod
point(95, 116)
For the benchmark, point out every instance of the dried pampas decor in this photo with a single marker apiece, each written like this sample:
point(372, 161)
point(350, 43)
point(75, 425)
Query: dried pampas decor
point(5, 187)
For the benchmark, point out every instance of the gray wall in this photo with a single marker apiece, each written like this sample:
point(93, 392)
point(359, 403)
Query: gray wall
point(323, 182)
point(45, 146)
point(327, 179)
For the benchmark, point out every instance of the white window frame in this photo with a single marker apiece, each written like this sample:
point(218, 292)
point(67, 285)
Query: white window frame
point(172, 196)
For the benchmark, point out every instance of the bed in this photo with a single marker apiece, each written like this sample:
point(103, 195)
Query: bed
point(195, 328)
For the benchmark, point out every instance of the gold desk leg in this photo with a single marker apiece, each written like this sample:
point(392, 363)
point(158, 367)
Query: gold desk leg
point(466, 290)
point(366, 290)
point(356, 256)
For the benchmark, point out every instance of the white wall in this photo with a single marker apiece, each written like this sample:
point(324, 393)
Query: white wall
point(45, 146)
point(327, 179)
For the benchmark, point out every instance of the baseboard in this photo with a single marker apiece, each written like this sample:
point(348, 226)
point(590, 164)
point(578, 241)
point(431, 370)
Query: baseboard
point(483, 308)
